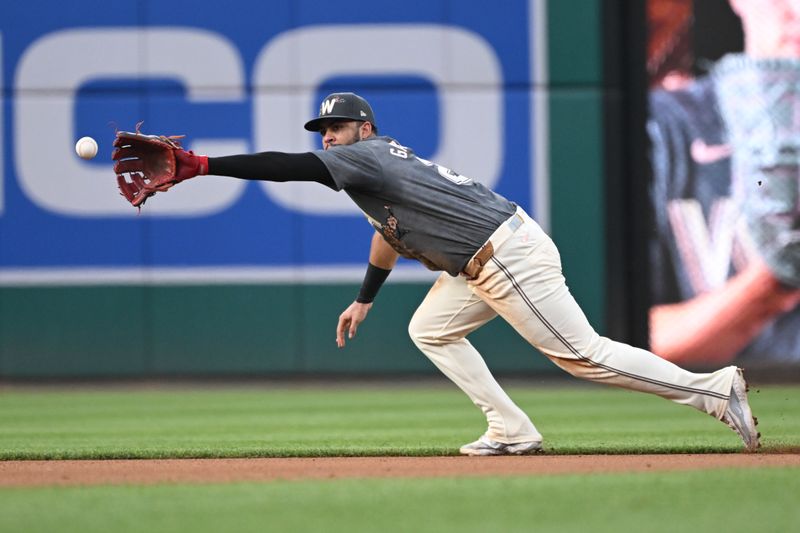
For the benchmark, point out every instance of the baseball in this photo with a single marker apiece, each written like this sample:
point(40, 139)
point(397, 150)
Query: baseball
point(86, 147)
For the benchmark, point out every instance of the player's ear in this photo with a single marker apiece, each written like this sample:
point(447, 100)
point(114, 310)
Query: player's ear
point(366, 129)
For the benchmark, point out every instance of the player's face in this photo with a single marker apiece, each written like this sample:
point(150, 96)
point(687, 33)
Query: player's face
point(342, 132)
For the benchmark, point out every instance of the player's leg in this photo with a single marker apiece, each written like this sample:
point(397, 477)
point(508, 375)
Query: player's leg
point(448, 314)
point(524, 284)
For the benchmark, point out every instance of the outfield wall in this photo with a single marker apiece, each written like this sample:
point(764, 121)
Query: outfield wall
point(225, 277)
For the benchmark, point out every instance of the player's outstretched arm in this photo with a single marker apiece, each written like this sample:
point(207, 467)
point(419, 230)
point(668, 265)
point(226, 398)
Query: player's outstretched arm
point(147, 164)
point(713, 327)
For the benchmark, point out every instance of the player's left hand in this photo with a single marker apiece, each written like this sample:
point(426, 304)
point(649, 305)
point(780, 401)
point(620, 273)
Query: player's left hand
point(349, 320)
point(154, 163)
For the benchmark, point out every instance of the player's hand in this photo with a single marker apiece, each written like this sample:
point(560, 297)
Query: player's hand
point(154, 163)
point(349, 321)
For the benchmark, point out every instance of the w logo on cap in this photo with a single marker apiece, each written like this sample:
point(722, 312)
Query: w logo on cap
point(326, 108)
point(343, 107)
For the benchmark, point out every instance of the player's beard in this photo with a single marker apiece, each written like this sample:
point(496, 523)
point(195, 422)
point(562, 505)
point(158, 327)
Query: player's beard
point(356, 136)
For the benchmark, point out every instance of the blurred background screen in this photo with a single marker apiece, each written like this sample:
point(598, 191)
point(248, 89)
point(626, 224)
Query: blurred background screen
point(723, 128)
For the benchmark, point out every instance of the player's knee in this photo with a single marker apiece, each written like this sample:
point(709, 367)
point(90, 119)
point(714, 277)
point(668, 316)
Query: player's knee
point(415, 330)
point(420, 331)
point(424, 333)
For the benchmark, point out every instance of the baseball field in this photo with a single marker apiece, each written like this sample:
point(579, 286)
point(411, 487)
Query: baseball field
point(384, 457)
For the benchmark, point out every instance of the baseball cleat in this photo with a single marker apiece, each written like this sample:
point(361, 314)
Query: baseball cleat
point(487, 446)
point(738, 415)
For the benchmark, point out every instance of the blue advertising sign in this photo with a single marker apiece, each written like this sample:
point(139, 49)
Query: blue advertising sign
point(452, 79)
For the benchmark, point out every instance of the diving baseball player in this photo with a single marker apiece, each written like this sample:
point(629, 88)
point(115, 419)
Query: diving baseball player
point(495, 260)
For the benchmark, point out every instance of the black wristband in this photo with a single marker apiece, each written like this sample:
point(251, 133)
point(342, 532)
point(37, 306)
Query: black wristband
point(373, 280)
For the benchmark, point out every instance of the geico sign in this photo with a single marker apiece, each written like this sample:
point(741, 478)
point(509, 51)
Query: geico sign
point(287, 72)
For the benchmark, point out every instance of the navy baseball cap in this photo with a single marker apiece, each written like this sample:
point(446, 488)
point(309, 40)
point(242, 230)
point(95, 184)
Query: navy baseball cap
point(342, 106)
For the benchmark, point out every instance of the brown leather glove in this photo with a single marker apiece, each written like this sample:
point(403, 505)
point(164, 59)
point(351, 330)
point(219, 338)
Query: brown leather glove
point(154, 163)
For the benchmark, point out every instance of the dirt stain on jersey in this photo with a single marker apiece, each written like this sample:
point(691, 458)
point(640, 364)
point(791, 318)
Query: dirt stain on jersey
point(393, 234)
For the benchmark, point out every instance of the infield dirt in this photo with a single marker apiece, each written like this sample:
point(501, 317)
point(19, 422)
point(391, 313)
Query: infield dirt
point(43, 473)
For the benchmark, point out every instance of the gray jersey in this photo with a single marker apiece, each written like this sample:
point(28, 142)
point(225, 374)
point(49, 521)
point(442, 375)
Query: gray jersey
point(423, 210)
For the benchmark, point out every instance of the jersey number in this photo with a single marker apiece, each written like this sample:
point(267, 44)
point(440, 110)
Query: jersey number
point(455, 177)
point(446, 173)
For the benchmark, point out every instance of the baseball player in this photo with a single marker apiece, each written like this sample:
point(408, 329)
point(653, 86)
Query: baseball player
point(495, 260)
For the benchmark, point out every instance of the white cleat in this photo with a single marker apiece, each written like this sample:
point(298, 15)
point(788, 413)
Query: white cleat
point(738, 415)
point(487, 446)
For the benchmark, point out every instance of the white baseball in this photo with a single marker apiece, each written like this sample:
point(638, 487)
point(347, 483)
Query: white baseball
point(86, 147)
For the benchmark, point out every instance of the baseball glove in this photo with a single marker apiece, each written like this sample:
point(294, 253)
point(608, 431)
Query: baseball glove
point(154, 164)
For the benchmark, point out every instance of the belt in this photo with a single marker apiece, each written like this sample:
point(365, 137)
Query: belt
point(475, 265)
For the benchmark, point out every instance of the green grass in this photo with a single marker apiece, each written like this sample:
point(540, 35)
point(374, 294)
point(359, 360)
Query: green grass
point(763, 500)
point(52, 423)
point(270, 421)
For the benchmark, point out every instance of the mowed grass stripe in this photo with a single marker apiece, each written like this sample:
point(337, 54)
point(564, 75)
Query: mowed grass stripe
point(274, 421)
point(720, 500)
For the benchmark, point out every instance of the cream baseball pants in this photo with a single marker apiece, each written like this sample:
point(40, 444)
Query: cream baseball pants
point(522, 282)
